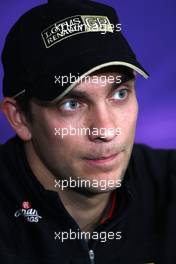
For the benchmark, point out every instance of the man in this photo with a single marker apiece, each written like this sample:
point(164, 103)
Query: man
point(73, 187)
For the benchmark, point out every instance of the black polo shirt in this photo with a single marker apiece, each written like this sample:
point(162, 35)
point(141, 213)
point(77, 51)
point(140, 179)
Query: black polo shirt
point(142, 228)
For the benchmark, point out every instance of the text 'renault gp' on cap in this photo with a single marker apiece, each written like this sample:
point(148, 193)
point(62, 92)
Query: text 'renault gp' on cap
point(62, 38)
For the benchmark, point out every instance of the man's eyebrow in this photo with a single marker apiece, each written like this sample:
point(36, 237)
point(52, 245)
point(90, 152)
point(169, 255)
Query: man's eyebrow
point(124, 80)
point(77, 94)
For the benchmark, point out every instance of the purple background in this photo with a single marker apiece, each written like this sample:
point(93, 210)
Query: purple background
point(150, 28)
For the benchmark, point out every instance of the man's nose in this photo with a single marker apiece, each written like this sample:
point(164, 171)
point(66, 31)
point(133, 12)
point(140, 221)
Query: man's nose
point(103, 124)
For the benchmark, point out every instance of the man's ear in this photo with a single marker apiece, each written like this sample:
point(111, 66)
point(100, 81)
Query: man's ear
point(16, 118)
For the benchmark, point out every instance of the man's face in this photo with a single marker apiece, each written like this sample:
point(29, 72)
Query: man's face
point(100, 153)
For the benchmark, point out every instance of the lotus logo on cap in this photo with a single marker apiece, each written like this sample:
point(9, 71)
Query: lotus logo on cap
point(75, 25)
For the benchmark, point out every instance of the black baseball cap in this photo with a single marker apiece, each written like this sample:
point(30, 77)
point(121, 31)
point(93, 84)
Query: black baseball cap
point(63, 38)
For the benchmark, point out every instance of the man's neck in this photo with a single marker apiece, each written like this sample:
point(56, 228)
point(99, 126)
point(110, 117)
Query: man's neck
point(86, 210)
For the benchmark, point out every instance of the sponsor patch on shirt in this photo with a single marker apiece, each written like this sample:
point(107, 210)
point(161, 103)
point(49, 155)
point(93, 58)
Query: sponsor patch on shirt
point(74, 25)
point(28, 213)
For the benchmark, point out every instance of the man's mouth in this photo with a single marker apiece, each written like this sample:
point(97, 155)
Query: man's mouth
point(103, 159)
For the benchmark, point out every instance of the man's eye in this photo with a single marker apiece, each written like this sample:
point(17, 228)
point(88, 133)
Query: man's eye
point(121, 94)
point(70, 105)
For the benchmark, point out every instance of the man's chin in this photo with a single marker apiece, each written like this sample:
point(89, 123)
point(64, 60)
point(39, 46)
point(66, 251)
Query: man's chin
point(100, 183)
point(94, 191)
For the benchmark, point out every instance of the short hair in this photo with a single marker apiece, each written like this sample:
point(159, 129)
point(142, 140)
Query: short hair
point(24, 105)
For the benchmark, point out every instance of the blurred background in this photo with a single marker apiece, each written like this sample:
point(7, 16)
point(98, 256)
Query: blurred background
point(149, 27)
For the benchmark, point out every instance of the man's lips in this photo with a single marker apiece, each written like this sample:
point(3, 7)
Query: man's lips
point(102, 159)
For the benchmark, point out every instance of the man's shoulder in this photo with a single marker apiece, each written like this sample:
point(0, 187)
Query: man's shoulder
point(158, 161)
point(8, 147)
point(9, 154)
point(154, 168)
point(145, 153)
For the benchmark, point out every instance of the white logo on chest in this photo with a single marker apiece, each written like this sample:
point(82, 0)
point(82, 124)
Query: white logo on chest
point(28, 213)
